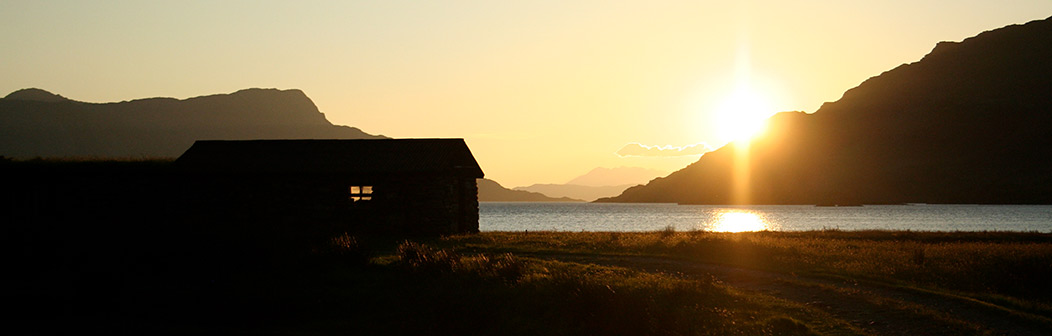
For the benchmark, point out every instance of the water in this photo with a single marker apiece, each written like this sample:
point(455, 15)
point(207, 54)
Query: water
point(650, 217)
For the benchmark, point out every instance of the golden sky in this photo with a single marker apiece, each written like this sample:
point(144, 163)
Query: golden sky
point(543, 91)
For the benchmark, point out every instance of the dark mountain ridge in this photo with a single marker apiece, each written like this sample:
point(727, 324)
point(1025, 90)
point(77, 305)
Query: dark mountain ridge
point(491, 191)
point(971, 122)
point(575, 191)
point(35, 94)
point(35, 122)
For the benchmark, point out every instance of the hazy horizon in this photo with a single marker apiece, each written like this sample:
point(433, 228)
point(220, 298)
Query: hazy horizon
point(542, 92)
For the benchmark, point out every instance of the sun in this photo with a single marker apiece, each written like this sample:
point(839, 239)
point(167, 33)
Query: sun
point(743, 114)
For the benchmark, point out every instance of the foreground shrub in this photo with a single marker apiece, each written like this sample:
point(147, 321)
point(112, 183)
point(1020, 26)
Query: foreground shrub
point(346, 249)
point(425, 259)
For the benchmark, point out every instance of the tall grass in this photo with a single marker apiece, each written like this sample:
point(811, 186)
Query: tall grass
point(990, 263)
point(505, 294)
point(422, 258)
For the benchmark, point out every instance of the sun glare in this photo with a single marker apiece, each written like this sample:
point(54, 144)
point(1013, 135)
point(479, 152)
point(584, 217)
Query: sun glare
point(738, 221)
point(743, 114)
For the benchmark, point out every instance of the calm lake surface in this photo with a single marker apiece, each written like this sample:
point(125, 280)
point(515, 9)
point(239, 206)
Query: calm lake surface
point(497, 216)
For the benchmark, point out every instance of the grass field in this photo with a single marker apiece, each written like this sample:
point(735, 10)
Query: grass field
point(561, 283)
point(1006, 271)
point(1008, 264)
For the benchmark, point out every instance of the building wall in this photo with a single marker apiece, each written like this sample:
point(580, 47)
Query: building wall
point(431, 204)
point(418, 204)
point(469, 202)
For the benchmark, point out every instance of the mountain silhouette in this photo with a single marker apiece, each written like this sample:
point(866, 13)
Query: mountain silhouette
point(34, 94)
point(971, 122)
point(603, 177)
point(37, 123)
point(491, 191)
point(597, 183)
point(575, 191)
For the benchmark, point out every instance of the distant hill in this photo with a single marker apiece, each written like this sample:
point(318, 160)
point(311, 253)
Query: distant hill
point(34, 94)
point(34, 122)
point(587, 193)
point(969, 123)
point(605, 177)
point(597, 183)
point(491, 191)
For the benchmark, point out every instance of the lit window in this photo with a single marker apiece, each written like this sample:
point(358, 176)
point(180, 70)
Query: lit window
point(361, 193)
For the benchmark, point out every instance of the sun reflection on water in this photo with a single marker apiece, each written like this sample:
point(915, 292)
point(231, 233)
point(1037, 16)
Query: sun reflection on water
point(738, 221)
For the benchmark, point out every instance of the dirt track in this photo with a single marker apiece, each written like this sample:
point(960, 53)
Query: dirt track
point(869, 307)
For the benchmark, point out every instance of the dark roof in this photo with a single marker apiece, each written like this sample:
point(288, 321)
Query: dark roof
point(373, 156)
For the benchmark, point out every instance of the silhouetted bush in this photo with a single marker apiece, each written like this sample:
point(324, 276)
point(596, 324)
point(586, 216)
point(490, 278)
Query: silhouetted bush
point(668, 231)
point(422, 258)
point(344, 249)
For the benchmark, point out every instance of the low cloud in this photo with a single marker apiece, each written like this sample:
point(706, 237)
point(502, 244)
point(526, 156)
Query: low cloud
point(638, 149)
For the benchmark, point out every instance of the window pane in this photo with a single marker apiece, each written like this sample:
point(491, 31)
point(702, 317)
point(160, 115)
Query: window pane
point(367, 189)
point(367, 198)
point(356, 190)
point(355, 198)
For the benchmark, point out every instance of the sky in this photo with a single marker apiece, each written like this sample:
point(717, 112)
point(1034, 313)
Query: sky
point(542, 91)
